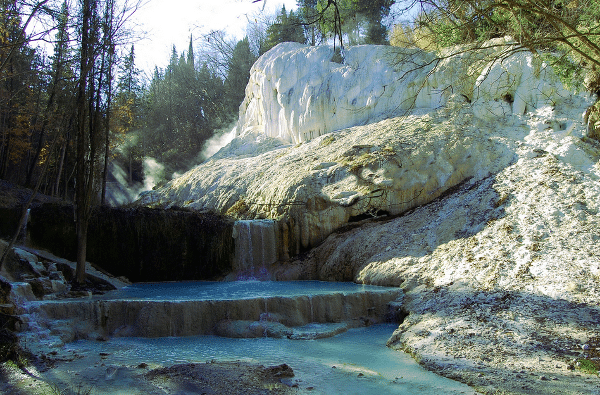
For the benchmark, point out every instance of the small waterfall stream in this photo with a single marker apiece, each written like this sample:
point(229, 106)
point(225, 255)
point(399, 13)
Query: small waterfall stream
point(199, 308)
point(255, 247)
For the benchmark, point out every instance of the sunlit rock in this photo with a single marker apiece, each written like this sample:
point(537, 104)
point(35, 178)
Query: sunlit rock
point(386, 130)
point(297, 92)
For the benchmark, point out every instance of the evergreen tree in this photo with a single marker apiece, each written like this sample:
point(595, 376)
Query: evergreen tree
point(569, 33)
point(307, 13)
point(126, 111)
point(18, 75)
point(374, 11)
point(190, 54)
point(287, 28)
point(354, 21)
point(238, 74)
point(184, 106)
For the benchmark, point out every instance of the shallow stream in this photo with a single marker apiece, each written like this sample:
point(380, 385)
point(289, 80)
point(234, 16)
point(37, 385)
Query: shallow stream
point(355, 362)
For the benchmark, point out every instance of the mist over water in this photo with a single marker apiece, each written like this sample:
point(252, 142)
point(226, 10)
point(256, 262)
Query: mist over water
point(123, 188)
point(154, 173)
point(118, 189)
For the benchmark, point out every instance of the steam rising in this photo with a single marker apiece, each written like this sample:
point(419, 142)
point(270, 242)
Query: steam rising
point(215, 143)
point(120, 191)
point(154, 173)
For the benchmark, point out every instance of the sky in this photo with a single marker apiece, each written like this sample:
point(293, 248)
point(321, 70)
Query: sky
point(170, 22)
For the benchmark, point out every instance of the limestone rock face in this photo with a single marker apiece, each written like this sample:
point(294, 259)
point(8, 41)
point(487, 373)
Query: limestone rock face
point(532, 226)
point(357, 151)
point(296, 92)
point(313, 189)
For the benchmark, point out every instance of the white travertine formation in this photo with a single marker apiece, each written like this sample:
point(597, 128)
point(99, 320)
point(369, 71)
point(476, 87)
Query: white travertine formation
point(357, 151)
point(296, 92)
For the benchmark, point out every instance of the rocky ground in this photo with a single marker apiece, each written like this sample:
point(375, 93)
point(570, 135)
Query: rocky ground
point(214, 378)
point(501, 276)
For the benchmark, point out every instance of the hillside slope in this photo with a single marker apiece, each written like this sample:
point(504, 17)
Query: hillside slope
point(425, 127)
point(490, 187)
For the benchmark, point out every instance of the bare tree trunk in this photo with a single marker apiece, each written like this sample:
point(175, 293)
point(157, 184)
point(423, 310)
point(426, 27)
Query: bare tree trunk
point(83, 159)
point(61, 162)
point(109, 49)
point(82, 228)
point(26, 207)
point(105, 170)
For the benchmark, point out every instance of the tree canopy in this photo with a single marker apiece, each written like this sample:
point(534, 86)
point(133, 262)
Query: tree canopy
point(567, 32)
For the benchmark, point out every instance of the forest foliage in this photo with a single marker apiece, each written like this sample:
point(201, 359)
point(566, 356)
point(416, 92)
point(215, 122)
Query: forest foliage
point(564, 33)
point(167, 114)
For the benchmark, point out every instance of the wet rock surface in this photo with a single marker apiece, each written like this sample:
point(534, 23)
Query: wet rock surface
point(84, 317)
point(140, 244)
point(223, 379)
point(211, 378)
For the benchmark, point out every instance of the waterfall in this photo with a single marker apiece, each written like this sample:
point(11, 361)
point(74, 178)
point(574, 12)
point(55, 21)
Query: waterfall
point(234, 309)
point(255, 246)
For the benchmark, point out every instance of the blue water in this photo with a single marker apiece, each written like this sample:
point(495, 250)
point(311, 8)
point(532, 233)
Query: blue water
point(355, 362)
point(217, 290)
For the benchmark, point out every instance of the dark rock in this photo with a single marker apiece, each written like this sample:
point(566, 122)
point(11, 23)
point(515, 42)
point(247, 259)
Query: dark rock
point(9, 320)
point(140, 244)
point(40, 287)
point(283, 370)
point(5, 289)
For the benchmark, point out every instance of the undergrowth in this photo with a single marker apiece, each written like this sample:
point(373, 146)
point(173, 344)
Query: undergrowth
point(588, 366)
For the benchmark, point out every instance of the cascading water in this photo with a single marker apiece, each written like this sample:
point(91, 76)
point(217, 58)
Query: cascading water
point(255, 247)
point(168, 323)
point(195, 308)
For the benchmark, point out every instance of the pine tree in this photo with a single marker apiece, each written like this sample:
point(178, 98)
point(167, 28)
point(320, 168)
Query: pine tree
point(287, 28)
point(307, 13)
point(374, 11)
point(190, 54)
point(238, 73)
point(18, 74)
